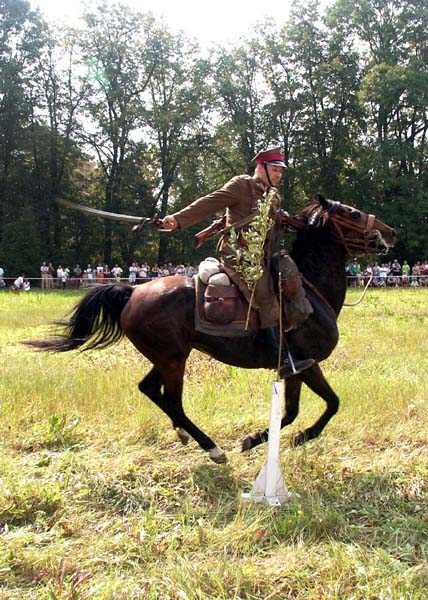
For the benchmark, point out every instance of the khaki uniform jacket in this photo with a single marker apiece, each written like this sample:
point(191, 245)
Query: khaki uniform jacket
point(239, 198)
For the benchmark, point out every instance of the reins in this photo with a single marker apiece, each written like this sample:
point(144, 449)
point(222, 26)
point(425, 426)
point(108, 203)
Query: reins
point(338, 223)
point(360, 299)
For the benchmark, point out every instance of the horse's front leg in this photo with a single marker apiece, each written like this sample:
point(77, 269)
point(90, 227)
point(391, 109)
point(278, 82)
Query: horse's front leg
point(316, 381)
point(164, 386)
point(292, 397)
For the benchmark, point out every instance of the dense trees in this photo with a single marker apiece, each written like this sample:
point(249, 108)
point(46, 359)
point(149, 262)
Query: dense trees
point(125, 115)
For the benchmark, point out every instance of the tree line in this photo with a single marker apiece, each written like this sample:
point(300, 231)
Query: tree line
point(126, 115)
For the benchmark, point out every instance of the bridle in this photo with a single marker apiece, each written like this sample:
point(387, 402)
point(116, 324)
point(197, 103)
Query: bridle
point(342, 227)
point(341, 223)
point(328, 212)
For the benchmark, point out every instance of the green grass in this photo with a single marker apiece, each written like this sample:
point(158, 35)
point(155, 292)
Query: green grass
point(98, 499)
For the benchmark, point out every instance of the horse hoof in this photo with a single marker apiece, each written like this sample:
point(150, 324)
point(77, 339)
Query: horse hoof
point(247, 443)
point(183, 436)
point(217, 455)
point(299, 438)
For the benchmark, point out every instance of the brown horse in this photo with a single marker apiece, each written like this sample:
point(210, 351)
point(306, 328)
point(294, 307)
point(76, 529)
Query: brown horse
point(158, 317)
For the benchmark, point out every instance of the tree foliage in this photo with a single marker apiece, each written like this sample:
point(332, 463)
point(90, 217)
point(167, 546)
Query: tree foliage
point(125, 115)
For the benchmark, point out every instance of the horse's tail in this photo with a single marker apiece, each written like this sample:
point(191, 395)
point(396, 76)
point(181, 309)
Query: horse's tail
point(94, 322)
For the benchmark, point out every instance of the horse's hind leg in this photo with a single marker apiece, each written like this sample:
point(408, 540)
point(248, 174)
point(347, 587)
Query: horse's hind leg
point(170, 402)
point(151, 386)
point(292, 397)
point(316, 381)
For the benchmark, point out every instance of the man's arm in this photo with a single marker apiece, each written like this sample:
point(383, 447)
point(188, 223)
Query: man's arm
point(206, 206)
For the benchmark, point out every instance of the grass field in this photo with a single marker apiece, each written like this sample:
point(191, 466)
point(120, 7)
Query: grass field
point(98, 499)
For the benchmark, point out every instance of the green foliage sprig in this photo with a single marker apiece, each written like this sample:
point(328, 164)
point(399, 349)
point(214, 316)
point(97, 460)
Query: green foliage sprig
point(248, 257)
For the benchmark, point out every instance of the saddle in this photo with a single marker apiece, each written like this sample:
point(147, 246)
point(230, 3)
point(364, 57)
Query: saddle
point(222, 310)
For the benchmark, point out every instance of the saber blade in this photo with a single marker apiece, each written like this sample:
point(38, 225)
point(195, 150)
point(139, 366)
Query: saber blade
point(103, 214)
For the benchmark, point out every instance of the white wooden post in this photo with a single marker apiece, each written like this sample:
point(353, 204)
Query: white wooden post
point(269, 485)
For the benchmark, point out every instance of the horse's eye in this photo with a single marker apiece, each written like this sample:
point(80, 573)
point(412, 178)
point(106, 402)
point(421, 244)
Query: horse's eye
point(355, 214)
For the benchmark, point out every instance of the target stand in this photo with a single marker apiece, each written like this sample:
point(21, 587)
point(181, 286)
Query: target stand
point(269, 486)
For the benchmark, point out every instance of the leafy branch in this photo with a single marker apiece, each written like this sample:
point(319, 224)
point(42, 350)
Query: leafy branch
point(249, 252)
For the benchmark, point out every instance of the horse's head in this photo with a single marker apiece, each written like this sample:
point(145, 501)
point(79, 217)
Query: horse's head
point(359, 232)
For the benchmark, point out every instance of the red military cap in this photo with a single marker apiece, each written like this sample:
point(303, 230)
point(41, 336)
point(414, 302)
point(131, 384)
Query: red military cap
point(272, 156)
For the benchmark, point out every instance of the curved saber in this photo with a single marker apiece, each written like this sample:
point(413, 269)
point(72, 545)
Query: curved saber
point(94, 212)
point(103, 214)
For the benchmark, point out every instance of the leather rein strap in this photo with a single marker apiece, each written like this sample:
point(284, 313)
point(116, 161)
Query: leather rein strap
point(340, 223)
point(350, 243)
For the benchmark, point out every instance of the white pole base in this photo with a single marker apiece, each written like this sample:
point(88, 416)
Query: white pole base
point(269, 486)
point(274, 494)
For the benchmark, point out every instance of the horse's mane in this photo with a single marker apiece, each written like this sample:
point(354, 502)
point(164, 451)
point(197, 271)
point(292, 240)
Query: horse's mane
point(313, 215)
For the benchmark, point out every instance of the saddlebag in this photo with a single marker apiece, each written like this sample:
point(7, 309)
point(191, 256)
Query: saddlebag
point(220, 303)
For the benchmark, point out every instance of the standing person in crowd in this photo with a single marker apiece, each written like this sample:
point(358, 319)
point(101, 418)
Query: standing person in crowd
point(77, 271)
point(376, 274)
point(51, 275)
point(77, 275)
point(117, 272)
point(422, 274)
point(59, 274)
point(189, 270)
point(355, 272)
point(2, 283)
point(384, 272)
point(64, 277)
point(146, 267)
point(155, 270)
point(416, 271)
point(99, 272)
point(143, 273)
point(396, 272)
point(44, 273)
point(133, 271)
point(405, 272)
point(240, 198)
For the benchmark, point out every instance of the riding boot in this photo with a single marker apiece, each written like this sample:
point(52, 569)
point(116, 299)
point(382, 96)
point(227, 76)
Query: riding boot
point(297, 306)
point(269, 337)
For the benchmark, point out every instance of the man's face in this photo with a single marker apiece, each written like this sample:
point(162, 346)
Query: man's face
point(274, 171)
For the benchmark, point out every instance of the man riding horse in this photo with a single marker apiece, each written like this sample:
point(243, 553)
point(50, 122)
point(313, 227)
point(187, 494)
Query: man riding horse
point(240, 198)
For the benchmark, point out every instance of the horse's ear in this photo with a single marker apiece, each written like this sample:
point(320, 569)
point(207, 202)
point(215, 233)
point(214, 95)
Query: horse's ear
point(322, 201)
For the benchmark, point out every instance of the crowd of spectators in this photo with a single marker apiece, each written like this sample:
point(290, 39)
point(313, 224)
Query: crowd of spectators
point(390, 274)
point(62, 277)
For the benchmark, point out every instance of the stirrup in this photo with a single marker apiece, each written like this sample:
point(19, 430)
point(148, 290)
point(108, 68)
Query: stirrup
point(288, 368)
